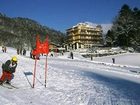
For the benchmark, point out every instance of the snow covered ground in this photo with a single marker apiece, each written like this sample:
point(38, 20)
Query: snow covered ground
point(132, 59)
point(73, 82)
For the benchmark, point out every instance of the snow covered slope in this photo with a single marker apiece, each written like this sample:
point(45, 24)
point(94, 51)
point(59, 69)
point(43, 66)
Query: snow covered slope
point(70, 82)
point(132, 59)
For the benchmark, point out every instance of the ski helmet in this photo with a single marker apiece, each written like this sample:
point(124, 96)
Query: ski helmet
point(14, 58)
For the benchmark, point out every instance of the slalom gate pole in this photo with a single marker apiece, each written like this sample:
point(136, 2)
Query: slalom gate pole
point(46, 70)
point(34, 73)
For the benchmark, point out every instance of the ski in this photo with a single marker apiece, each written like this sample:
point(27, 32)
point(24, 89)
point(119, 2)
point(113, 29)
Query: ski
point(9, 86)
point(12, 86)
point(5, 86)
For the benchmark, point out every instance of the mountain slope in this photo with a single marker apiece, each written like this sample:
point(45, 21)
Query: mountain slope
point(21, 32)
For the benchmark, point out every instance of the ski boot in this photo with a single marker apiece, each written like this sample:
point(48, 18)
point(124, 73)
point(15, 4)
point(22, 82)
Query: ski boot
point(8, 82)
point(1, 82)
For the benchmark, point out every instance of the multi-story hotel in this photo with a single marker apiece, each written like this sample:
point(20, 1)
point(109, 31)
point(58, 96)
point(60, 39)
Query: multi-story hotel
point(84, 36)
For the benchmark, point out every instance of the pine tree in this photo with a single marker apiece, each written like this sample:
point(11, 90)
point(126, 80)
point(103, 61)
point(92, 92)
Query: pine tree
point(109, 38)
point(123, 26)
point(136, 30)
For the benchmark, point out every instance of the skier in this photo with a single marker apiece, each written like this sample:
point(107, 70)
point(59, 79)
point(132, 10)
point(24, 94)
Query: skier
point(8, 68)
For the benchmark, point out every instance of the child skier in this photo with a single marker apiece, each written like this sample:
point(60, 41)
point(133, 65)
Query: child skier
point(8, 68)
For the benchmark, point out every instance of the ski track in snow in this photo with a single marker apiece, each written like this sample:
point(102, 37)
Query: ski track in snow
point(70, 82)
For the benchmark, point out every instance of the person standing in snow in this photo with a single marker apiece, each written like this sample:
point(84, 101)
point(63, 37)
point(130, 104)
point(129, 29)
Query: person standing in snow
point(24, 52)
point(5, 49)
point(91, 57)
point(9, 67)
point(2, 48)
point(113, 60)
point(71, 55)
point(18, 51)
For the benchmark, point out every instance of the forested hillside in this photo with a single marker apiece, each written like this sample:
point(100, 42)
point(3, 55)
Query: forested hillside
point(125, 31)
point(21, 32)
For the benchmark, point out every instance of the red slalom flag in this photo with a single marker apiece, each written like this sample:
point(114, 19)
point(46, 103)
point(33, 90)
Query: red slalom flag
point(36, 51)
point(41, 48)
point(38, 43)
point(45, 46)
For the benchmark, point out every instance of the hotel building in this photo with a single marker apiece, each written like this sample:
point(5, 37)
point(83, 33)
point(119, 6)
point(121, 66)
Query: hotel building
point(84, 36)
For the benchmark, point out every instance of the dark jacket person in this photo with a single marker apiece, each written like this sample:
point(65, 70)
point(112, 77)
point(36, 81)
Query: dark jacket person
point(9, 67)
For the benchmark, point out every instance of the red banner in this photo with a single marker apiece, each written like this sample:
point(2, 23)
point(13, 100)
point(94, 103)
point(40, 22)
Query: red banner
point(38, 43)
point(41, 48)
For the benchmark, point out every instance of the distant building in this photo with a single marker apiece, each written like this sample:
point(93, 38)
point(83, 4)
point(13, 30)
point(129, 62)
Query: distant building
point(84, 36)
point(55, 47)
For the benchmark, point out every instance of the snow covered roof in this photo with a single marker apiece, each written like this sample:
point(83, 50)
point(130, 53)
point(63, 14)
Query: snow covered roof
point(105, 27)
point(87, 24)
